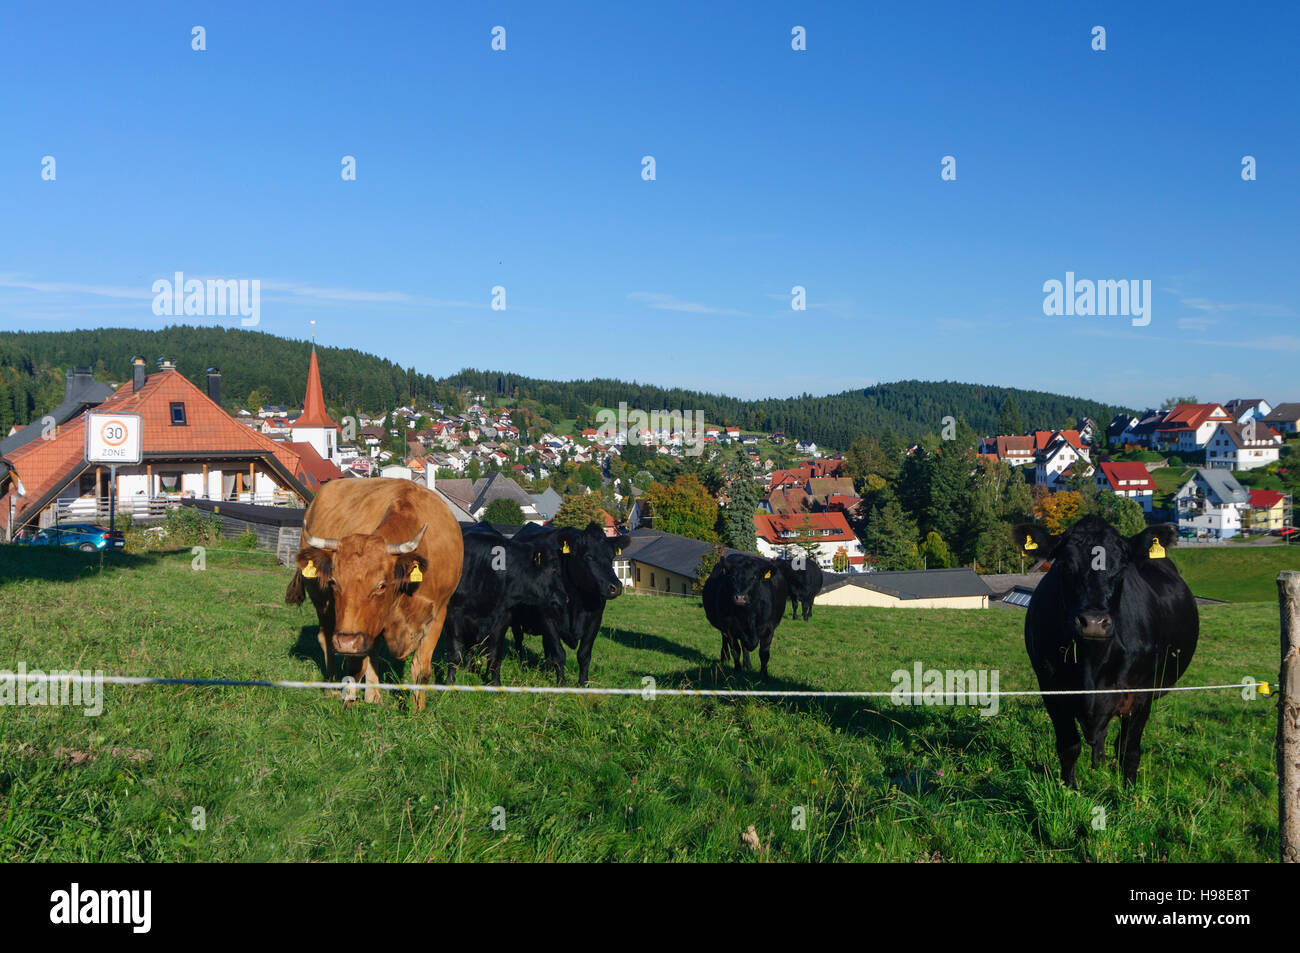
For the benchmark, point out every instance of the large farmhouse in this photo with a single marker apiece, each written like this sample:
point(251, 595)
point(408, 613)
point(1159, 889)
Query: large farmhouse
point(192, 449)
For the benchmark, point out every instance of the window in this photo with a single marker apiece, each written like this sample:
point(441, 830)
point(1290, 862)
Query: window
point(178, 413)
point(652, 580)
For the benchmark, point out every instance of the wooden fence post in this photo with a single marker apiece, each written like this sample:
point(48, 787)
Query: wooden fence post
point(1288, 720)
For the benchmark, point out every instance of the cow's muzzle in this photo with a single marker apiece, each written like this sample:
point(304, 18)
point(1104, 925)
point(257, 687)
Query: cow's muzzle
point(353, 644)
point(614, 590)
point(1094, 625)
point(741, 599)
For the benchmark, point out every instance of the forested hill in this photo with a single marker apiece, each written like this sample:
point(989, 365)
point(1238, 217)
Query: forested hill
point(261, 368)
point(909, 408)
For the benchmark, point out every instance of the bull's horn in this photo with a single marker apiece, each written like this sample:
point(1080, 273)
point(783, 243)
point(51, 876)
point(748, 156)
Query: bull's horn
point(397, 549)
point(321, 542)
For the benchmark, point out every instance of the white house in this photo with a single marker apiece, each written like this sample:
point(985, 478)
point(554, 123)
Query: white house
point(1243, 447)
point(1211, 504)
point(1131, 480)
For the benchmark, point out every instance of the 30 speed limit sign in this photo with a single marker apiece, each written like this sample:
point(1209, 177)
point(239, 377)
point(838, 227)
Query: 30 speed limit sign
point(113, 438)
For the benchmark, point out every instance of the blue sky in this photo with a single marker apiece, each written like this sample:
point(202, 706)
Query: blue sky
point(775, 168)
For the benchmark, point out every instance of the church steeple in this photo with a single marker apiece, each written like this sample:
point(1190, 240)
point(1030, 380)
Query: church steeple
point(314, 425)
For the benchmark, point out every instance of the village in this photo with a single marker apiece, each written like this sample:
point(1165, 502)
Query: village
point(1192, 464)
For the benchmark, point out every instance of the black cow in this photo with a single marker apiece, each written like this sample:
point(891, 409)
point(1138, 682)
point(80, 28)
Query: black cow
point(1112, 613)
point(744, 599)
point(498, 576)
point(804, 578)
point(587, 561)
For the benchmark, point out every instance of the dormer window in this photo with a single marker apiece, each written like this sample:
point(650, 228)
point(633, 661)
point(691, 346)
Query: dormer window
point(178, 413)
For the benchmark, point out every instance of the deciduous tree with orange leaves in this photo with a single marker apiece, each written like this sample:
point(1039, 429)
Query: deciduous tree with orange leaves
point(1059, 511)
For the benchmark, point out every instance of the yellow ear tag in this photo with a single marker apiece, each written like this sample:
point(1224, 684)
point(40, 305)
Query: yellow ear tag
point(1156, 551)
point(565, 550)
point(416, 575)
point(768, 574)
point(618, 552)
point(309, 571)
point(1263, 688)
point(537, 558)
point(1029, 544)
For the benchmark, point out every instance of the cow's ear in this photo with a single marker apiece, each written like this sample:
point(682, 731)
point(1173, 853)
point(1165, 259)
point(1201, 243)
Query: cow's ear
point(408, 570)
point(1153, 542)
point(315, 564)
point(621, 542)
point(1035, 541)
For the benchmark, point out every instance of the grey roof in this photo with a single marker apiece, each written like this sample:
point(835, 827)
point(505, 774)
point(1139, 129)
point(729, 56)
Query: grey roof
point(914, 584)
point(666, 551)
point(496, 486)
point(1221, 486)
point(1283, 413)
point(547, 503)
point(80, 393)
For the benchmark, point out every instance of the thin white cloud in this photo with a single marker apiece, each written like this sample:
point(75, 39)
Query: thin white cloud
point(667, 302)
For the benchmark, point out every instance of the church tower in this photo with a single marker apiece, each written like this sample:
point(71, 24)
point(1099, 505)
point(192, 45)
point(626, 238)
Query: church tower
point(314, 425)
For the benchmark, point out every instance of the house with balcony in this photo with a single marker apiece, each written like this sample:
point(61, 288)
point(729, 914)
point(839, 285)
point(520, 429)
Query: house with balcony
point(1211, 505)
point(1188, 427)
point(1269, 510)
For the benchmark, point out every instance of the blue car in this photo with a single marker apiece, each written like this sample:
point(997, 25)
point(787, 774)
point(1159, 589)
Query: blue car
point(86, 537)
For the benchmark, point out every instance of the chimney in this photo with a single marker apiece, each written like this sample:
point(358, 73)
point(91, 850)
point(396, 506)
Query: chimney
point(137, 374)
point(214, 385)
point(166, 364)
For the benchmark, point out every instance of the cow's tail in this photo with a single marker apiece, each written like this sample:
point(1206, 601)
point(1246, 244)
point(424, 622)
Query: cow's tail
point(295, 593)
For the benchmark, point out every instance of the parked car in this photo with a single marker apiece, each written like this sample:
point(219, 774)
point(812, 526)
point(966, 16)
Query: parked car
point(1286, 531)
point(86, 537)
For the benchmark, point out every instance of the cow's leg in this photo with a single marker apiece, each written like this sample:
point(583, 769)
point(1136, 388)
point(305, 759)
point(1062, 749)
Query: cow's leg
point(1094, 730)
point(519, 640)
point(807, 610)
point(764, 650)
point(794, 608)
point(553, 648)
point(422, 660)
point(325, 632)
point(1128, 747)
point(1061, 710)
point(590, 631)
point(371, 677)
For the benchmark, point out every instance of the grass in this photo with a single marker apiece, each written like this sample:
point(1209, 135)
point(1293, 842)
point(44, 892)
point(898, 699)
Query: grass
point(1235, 573)
point(292, 775)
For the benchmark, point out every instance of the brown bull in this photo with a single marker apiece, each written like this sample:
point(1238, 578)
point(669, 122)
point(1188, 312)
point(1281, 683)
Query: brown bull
point(378, 558)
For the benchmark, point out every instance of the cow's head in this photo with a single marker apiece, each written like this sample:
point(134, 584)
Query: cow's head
point(1093, 558)
point(545, 572)
point(364, 575)
point(589, 560)
point(746, 573)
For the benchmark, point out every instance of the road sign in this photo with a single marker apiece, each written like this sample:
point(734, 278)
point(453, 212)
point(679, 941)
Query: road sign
point(113, 438)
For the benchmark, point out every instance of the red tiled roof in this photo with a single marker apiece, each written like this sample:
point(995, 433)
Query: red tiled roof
point(1131, 471)
point(770, 527)
point(1265, 499)
point(1191, 416)
point(313, 469)
point(45, 464)
point(313, 405)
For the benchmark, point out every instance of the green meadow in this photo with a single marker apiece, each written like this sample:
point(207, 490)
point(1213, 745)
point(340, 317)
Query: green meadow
point(295, 775)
